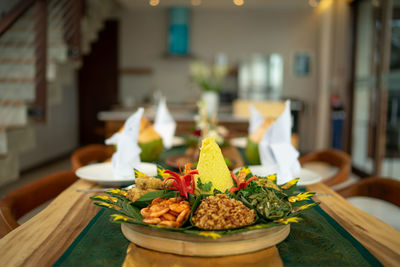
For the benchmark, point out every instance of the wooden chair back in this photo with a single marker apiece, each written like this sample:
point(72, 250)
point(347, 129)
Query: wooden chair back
point(24, 199)
point(90, 154)
point(376, 187)
point(333, 157)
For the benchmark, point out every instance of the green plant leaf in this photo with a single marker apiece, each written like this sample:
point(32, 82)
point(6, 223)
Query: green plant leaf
point(146, 199)
point(204, 187)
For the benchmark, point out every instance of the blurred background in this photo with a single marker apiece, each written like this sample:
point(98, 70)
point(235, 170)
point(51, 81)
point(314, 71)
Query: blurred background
point(71, 71)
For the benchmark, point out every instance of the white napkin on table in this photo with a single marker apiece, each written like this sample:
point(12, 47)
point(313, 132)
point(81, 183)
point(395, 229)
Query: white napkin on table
point(164, 124)
point(256, 119)
point(126, 158)
point(276, 150)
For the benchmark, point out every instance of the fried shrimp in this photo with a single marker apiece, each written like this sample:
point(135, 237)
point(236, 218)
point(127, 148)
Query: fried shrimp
point(171, 212)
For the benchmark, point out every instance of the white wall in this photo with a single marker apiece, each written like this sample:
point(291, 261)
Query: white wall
point(59, 135)
point(236, 32)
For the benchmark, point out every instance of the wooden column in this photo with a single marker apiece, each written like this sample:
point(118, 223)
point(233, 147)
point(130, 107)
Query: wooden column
point(40, 46)
point(383, 67)
point(72, 27)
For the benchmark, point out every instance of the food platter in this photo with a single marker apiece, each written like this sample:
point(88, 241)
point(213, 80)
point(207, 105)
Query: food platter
point(194, 245)
point(207, 211)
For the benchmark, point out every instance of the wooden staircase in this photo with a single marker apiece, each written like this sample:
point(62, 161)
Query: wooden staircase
point(19, 68)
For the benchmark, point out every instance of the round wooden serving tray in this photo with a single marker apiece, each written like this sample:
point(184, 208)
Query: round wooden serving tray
point(193, 245)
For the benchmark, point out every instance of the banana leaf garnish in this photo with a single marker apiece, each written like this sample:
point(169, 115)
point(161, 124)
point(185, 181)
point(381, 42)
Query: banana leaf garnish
point(139, 174)
point(290, 184)
point(161, 173)
point(301, 197)
point(289, 220)
point(213, 235)
point(305, 207)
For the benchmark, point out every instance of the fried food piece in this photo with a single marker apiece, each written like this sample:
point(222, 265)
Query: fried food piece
point(148, 182)
point(135, 193)
point(221, 212)
point(144, 185)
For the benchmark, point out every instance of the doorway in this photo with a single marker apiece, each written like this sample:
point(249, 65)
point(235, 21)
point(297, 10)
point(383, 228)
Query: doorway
point(98, 83)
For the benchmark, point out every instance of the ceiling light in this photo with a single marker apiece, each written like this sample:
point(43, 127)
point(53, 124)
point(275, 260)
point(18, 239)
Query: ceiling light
point(196, 2)
point(154, 2)
point(238, 2)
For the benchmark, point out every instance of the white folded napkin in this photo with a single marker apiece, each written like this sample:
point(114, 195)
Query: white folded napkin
point(164, 124)
point(276, 150)
point(126, 158)
point(256, 119)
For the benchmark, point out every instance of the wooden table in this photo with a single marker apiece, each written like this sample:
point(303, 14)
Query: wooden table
point(43, 239)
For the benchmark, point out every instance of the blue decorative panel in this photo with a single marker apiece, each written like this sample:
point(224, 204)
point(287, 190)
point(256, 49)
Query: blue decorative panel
point(178, 39)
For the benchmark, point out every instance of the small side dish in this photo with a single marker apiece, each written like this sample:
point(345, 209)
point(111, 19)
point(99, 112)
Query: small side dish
point(221, 212)
point(171, 212)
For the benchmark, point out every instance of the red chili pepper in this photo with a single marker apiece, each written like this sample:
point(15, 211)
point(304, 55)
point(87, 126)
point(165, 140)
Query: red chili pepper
point(241, 181)
point(184, 183)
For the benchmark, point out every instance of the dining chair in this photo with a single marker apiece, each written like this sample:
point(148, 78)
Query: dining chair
point(30, 196)
point(376, 187)
point(90, 154)
point(331, 157)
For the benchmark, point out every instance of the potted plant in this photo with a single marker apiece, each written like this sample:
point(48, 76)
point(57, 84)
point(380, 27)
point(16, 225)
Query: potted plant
point(209, 78)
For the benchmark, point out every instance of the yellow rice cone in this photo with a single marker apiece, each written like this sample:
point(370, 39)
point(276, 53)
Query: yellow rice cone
point(212, 166)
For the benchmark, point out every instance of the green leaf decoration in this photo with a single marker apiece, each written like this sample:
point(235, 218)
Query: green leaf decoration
point(216, 191)
point(210, 234)
point(107, 199)
point(132, 211)
point(118, 193)
point(139, 173)
point(121, 218)
point(245, 169)
point(161, 173)
point(272, 177)
point(146, 199)
point(301, 197)
point(304, 207)
point(108, 206)
point(289, 220)
point(290, 184)
point(204, 187)
point(195, 206)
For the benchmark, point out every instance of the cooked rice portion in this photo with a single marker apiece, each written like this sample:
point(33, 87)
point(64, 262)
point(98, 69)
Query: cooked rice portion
point(221, 212)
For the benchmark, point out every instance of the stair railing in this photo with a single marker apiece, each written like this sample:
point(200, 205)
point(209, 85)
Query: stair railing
point(71, 13)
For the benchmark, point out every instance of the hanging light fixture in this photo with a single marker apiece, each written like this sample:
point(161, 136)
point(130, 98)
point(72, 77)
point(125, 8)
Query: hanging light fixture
point(238, 2)
point(196, 2)
point(154, 2)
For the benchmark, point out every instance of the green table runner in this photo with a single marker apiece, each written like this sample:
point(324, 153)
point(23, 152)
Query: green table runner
point(317, 241)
